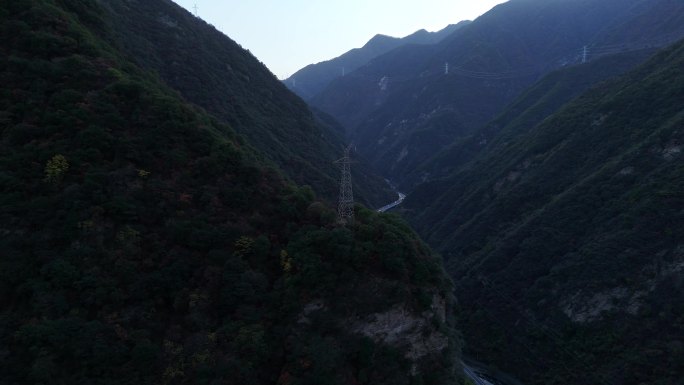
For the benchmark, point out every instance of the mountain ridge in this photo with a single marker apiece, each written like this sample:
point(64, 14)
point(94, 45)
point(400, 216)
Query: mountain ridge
point(422, 106)
point(310, 80)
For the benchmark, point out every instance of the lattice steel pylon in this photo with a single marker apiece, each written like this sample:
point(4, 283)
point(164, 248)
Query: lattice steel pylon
point(345, 207)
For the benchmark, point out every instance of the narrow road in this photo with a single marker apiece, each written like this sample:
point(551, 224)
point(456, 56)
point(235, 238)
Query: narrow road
point(393, 204)
point(470, 373)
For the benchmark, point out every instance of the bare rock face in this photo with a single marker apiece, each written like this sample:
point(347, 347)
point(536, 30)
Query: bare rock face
point(587, 306)
point(584, 307)
point(416, 334)
point(308, 309)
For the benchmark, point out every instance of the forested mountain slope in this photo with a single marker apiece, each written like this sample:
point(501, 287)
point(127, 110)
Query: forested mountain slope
point(565, 240)
point(537, 103)
point(212, 71)
point(405, 106)
point(314, 78)
point(145, 242)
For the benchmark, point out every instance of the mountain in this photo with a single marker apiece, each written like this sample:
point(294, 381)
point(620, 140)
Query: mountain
point(564, 235)
point(145, 241)
point(535, 104)
point(406, 105)
point(312, 79)
point(213, 72)
point(648, 24)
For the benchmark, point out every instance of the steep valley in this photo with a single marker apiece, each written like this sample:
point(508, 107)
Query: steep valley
point(555, 195)
point(169, 209)
point(414, 101)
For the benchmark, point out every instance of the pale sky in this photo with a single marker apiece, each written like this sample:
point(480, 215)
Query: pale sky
point(287, 35)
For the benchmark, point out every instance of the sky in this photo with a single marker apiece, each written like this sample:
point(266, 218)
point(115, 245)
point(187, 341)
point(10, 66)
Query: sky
point(287, 35)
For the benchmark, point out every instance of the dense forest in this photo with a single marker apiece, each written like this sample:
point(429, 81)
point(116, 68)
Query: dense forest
point(564, 235)
point(215, 73)
point(535, 104)
point(146, 241)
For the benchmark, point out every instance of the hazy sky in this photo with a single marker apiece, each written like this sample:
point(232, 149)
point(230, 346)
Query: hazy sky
point(287, 35)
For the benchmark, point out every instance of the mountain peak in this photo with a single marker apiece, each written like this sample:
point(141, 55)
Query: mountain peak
point(379, 40)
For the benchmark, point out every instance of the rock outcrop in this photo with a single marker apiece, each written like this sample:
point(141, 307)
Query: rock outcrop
point(416, 334)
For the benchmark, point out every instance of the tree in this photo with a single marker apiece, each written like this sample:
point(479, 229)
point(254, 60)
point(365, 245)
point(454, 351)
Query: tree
point(56, 168)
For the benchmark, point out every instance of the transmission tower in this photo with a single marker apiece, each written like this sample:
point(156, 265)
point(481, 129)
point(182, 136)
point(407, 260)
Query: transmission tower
point(195, 8)
point(584, 55)
point(345, 207)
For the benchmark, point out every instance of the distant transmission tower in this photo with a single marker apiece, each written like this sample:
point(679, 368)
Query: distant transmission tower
point(584, 55)
point(195, 9)
point(345, 208)
point(446, 68)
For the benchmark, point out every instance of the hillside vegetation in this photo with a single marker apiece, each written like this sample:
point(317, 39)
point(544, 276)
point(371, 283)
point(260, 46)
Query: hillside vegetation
point(565, 239)
point(537, 103)
point(212, 71)
point(145, 242)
